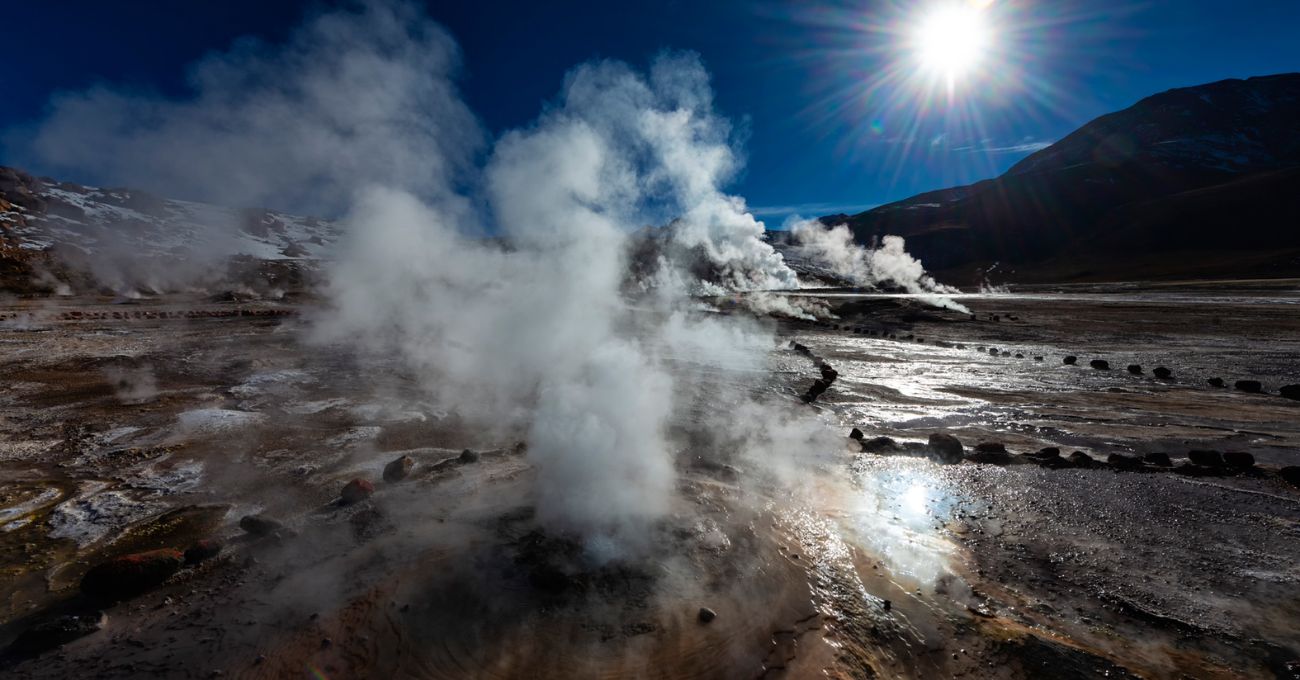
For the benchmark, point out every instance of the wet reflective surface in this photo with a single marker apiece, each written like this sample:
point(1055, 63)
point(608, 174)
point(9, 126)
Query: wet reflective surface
point(818, 559)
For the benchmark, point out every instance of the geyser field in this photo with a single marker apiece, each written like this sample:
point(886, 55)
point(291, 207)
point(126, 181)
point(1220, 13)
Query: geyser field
point(550, 402)
point(166, 427)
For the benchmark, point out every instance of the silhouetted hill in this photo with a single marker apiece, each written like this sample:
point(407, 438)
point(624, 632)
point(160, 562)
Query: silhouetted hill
point(1199, 182)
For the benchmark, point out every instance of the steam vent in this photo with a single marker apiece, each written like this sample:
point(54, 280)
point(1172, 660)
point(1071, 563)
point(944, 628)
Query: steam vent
point(403, 339)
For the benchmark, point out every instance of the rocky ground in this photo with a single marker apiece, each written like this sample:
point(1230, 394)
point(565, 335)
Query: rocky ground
point(152, 429)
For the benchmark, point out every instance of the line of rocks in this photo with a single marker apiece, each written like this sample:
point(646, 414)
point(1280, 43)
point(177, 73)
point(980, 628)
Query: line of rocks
point(1160, 372)
point(947, 449)
point(149, 315)
point(821, 384)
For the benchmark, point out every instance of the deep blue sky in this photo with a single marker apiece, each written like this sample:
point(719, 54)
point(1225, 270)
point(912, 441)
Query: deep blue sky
point(830, 126)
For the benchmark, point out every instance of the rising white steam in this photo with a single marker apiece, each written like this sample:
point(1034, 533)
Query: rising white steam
point(538, 336)
point(353, 98)
point(531, 331)
point(890, 262)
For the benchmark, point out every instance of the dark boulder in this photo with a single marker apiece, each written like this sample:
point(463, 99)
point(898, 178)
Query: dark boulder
point(1070, 360)
point(1290, 392)
point(946, 448)
point(1291, 475)
point(816, 390)
point(201, 550)
point(706, 615)
point(1019, 355)
point(1162, 373)
point(1238, 459)
point(1251, 386)
point(855, 433)
point(1210, 457)
point(1216, 382)
point(130, 575)
point(260, 525)
point(1082, 460)
point(356, 491)
point(1120, 461)
point(1038, 358)
point(880, 445)
point(829, 374)
point(1158, 458)
point(1135, 369)
point(468, 456)
point(989, 457)
point(991, 447)
point(1100, 364)
point(399, 469)
point(1048, 457)
point(57, 631)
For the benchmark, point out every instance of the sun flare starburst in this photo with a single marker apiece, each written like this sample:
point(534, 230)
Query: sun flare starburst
point(951, 40)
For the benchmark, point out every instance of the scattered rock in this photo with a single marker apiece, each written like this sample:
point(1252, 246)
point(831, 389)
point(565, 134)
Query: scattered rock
point(1100, 364)
point(1158, 458)
point(1120, 461)
point(1239, 459)
point(706, 615)
point(468, 456)
point(1070, 360)
point(1291, 475)
point(357, 490)
point(260, 525)
point(946, 447)
point(202, 549)
point(818, 387)
point(1251, 386)
point(57, 631)
point(130, 575)
point(1290, 392)
point(1082, 460)
point(855, 433)
point(1162, 373)
point(1216, 382)
point(1048, 457)
point(1205, 457)
point(880, 445)
point(1135, 369)
point(399, 469)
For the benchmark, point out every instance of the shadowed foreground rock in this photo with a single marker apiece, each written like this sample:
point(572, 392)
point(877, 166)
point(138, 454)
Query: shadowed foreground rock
point(58, 631)
point(356, 491)
point(399, 469)
point(1251, 386)
point(946, 447)
point(130, 575)
point(201, 550)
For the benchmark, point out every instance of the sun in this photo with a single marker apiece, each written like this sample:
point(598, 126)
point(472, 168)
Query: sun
point(952, 39)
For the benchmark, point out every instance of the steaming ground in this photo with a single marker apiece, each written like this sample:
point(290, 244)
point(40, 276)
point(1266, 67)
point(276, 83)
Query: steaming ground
point(127, 434)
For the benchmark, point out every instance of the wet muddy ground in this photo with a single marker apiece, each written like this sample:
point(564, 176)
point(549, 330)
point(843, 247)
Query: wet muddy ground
point(126, 434)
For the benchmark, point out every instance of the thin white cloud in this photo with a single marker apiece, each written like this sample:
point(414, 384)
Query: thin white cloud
point(810, 209)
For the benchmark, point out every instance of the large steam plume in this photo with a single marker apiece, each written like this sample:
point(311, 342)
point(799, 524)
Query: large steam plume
point(359, 115)
point(888, 263)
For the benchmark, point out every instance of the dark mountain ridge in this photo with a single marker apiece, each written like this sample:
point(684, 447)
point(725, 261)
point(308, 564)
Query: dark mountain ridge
point(1194, 182)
